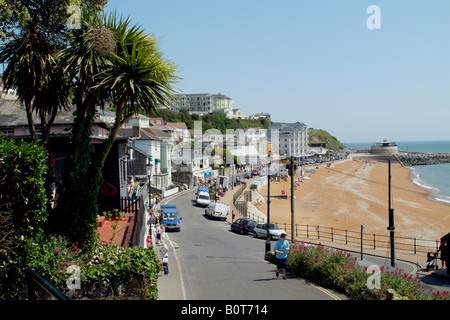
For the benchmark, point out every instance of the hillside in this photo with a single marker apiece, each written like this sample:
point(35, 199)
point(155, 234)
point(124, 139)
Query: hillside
point(322, 135)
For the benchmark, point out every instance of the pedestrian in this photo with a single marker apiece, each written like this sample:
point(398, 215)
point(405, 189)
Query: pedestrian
point(158, 233)
point(443, 248)
point(130, 187)
point(281, 251)
point(164, 250)
point(163, 232)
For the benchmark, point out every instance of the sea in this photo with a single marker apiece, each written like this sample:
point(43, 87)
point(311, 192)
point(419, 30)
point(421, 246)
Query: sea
point(435, 178)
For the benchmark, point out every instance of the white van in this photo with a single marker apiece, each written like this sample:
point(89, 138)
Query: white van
point(203, 199)
point(217, 210)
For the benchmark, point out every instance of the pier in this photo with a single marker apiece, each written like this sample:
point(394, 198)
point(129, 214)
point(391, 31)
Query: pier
point(422, 158)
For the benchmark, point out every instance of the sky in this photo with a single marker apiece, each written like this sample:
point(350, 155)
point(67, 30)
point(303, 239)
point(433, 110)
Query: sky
point(316, 62)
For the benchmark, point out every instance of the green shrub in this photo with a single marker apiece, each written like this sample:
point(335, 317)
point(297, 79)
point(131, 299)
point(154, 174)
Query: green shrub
point(104, 269)
point(115, 266)
point(339, 270)
point(22, 206)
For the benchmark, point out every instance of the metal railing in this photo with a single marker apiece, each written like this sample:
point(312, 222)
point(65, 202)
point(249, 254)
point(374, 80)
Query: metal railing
point(35, 280)
point(367, 239)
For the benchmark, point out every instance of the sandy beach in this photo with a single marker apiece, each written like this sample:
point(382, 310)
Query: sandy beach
point(354, 193)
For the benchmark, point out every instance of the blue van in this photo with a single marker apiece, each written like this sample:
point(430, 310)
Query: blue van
point(170, 217)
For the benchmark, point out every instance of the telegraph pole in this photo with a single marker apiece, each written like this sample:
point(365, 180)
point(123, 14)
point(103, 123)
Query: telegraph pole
point(391, 227)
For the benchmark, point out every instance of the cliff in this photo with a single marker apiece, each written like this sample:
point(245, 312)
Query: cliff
point(332, 142)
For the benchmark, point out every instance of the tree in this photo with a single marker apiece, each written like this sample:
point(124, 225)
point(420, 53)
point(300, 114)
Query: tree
point(136, 78)
point(111, 62)
point(33, 32)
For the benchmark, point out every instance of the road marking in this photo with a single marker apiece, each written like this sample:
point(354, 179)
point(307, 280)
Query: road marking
point(332, 295)
point(183, 290)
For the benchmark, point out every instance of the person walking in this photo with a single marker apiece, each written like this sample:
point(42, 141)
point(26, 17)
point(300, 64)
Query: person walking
point(164, 250)
point(443, 248)
point(158, 233)
point(281, 251)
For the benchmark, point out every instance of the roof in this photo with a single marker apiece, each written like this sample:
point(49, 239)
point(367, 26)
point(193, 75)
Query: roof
point(149, 133)
point(177, 125)
point(13, 113)
point(219, 95)
point(287, 126)
point(120, 235)
point(169, 208)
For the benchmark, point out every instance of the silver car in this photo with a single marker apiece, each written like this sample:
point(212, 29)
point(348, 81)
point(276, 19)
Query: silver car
point(275, 231)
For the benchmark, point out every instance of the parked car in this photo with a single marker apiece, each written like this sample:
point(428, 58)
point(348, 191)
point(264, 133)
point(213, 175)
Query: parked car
point(203, 199)
point(217, 210)
point(247, 175)
point(255, 172)
point(275, 231)
point(171, 218)
point(243, 225)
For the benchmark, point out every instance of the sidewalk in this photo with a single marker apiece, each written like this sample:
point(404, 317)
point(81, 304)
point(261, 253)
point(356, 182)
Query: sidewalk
point(170, 286)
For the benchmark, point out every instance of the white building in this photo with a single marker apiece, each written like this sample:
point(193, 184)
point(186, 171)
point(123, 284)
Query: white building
point(289, 139)
point(202, 103)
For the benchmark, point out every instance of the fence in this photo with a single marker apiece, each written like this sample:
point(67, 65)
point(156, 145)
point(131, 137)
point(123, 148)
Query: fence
point(361, 238)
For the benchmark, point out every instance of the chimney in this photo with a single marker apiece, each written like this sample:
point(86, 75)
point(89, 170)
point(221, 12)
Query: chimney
point(136, 131)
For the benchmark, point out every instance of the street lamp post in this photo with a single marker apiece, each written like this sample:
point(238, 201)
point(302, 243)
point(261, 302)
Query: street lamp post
point(268, 205)
point(149, 166)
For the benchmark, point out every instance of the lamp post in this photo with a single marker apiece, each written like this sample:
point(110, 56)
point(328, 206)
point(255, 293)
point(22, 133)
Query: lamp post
point(268, 204)
point(149, 166)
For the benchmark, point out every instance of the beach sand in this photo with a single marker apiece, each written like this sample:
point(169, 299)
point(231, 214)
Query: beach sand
point(354, 193)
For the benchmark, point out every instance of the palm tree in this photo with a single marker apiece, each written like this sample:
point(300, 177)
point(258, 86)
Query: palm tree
point(37, 76)
point(137, 78)
point(109, 61)
point(24, 68)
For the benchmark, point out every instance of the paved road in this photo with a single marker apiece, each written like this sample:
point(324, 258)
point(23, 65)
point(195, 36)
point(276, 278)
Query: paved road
point(209, 262)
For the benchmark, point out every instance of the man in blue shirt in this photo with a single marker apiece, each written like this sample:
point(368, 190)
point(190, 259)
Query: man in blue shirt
point(281, 251)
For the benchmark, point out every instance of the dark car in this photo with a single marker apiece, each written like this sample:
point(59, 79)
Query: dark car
point(243, 225)
point(247, 175)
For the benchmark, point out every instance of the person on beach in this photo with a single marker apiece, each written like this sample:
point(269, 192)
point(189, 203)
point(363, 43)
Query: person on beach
point(281, 251)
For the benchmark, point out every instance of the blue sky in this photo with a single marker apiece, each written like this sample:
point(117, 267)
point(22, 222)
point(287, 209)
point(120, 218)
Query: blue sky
point(315, 62)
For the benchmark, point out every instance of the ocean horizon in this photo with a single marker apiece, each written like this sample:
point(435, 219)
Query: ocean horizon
point(435, 178)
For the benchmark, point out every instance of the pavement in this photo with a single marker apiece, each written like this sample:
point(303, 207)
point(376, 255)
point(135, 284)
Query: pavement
point(171, 286)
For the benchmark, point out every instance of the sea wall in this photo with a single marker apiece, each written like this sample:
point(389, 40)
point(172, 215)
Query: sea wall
point(422, 158)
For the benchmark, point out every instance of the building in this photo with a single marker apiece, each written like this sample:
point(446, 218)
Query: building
point(202, 103)
point(318, 148)
point(157, 145)
point(384, 148)
point(289, 139)
point(14, 124)
point(191, 166)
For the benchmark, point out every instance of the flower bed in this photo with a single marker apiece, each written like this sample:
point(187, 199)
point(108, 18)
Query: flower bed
point(105, 271)
point(339, 270)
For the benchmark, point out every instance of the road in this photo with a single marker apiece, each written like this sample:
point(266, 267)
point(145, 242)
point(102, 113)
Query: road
point(209, 262)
